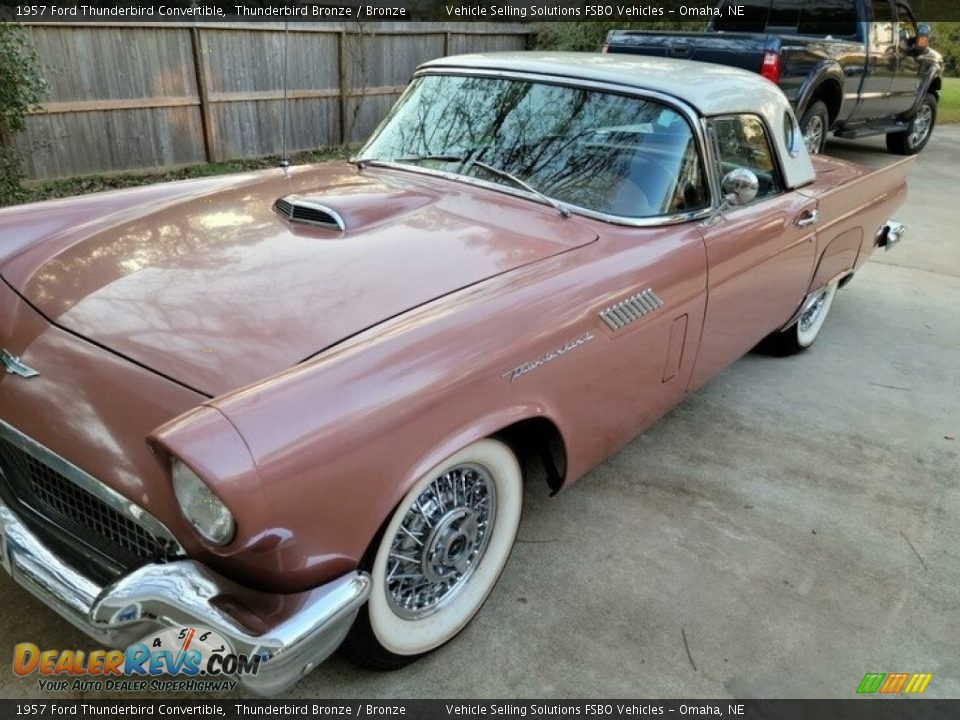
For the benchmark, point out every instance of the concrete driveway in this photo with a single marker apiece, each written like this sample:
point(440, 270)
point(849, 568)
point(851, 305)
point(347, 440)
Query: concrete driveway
point(788, 528)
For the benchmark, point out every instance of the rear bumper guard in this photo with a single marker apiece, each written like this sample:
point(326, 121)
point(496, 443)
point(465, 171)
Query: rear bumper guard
point(890, 234)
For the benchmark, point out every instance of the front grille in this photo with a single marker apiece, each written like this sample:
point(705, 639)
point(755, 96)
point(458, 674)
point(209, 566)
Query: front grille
point(50, 496)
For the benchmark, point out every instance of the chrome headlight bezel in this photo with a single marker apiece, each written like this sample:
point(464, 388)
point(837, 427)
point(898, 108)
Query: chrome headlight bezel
point(207, 514)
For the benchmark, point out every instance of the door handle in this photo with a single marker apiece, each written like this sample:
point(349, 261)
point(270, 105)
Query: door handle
point(808, 218)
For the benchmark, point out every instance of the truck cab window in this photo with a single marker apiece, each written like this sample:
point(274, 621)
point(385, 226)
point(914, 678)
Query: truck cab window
point(784, 14)
point(833, 18)
point(882, 36)
point(742, 142)
point(753, 19)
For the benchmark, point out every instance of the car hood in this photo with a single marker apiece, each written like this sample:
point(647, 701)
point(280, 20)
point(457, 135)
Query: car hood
point(214, 289)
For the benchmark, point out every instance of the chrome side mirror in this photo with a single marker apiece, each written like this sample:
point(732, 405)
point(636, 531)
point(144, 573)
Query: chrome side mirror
point(739, 187)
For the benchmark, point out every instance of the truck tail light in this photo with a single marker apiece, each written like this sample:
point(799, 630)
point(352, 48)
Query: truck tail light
point(770, 67)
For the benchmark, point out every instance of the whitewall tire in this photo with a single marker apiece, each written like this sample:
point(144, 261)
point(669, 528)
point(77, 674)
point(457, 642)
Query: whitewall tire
point(806, 328)
point(814, 315)
point(440, 555)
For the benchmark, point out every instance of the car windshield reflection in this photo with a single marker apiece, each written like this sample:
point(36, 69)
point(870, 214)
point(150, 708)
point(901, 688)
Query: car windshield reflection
point(613, 154)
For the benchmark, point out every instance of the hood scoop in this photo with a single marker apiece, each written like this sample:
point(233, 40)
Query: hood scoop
point(298, 209)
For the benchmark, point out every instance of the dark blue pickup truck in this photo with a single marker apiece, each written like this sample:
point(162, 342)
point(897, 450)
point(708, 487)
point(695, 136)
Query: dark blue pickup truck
point(854, 67)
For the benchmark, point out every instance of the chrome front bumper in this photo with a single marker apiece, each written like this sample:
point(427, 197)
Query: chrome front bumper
point(185, 593)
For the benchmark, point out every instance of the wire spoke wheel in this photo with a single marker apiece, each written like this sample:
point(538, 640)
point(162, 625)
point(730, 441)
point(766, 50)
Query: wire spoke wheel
point(803, 331)
point(813, 315)
point(439, 556)
point(440, 541)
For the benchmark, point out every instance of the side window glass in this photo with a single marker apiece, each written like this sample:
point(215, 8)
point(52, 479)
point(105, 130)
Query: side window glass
point(751, 16)
point(837, 18)
point(742, 142)
point(784, 15)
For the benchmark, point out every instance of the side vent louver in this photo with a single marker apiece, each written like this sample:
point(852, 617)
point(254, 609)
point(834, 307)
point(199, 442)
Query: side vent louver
point(299, 210)
point(623, 313)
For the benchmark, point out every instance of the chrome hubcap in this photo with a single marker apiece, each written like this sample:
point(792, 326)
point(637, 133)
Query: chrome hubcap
point(812, 311)
point(813, 134)
point(440, 541)
point(921, 125)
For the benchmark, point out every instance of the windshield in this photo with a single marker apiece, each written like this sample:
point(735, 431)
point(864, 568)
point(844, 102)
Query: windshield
point(604, 152)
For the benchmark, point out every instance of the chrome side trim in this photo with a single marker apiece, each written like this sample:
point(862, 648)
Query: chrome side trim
point(621, 314)
point(531, 365)
point(184, 592)
point(93, 486)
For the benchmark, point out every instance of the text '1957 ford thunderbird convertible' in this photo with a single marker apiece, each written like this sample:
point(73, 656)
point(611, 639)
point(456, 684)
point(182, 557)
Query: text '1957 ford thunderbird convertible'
point(294, 407)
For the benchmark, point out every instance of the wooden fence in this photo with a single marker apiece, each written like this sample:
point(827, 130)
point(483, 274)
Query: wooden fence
point(143, 96)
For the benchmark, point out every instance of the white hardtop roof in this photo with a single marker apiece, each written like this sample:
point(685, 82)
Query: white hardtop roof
point(707, 88)
point(710, 89)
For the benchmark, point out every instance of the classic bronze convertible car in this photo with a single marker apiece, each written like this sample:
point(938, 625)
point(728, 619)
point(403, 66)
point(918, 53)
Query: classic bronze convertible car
point(293, 406)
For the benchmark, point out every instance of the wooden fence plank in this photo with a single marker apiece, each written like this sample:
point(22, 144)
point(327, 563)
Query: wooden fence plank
point(127, 96)
point(200, 68)
point(80, 106)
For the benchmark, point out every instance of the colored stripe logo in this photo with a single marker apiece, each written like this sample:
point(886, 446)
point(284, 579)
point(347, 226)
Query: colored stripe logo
point(894, 683)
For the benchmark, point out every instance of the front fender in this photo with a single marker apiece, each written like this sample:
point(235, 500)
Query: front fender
point(470, 432)
point(331, 478)
point(338, 441)
point(210, 445)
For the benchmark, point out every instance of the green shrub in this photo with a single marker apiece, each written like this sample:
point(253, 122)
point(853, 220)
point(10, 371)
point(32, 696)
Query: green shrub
point(946, 40)
point(22, 87)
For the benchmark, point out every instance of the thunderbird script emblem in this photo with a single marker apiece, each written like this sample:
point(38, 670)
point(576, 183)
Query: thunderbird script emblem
point(15, 367)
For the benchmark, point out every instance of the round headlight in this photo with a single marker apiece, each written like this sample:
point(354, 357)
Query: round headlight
point(205, 511)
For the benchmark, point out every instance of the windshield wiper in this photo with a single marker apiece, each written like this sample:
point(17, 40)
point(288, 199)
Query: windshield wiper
point(492, 169)
point(523, 184)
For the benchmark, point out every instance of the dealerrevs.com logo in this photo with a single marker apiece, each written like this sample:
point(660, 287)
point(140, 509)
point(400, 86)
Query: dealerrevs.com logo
point(185, 659)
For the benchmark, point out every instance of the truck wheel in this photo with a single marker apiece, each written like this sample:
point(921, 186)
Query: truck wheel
point(912, 140)
point(439, 557)
point(814, 125)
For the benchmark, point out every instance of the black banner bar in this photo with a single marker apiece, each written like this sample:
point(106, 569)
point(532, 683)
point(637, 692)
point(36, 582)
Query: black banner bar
point(522, 11)
point(856, 709)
